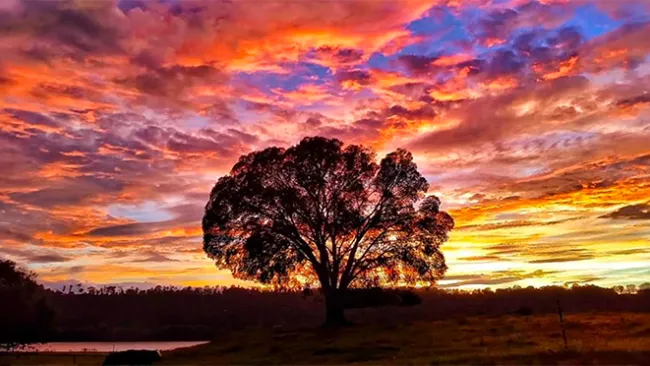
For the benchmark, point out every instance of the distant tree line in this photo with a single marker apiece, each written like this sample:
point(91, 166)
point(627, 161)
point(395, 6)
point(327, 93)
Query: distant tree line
point(171, 313)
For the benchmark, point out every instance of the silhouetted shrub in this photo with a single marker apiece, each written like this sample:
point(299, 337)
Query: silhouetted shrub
point(371, 297)
point(524, 311)
point(410, 298)
point(132, 357)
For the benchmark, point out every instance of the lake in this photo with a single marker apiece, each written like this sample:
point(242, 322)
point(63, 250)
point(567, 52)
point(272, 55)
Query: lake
point(108, 346)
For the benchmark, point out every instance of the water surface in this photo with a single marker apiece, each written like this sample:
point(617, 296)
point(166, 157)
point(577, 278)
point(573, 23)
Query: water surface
point(109, 346)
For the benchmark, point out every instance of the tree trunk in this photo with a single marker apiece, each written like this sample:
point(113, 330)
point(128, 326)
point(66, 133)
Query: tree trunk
point(334, 311)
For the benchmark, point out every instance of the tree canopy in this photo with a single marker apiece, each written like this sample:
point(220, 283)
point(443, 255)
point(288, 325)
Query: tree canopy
point(321, 213)
point(25, 317)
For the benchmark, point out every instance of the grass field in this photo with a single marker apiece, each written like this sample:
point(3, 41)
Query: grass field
point(46, 358)
point(599, 338)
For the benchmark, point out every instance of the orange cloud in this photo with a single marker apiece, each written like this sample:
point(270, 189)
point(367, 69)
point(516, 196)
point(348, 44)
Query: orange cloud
point(115, 123)
point(565, 68)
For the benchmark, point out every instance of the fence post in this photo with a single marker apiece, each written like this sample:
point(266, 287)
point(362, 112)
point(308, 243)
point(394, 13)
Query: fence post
point(559, 313)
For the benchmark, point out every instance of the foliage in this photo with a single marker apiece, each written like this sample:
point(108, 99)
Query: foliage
point(25, 317)
point(319, 213)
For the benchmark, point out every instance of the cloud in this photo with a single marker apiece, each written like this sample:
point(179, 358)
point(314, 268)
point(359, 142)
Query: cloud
point(354, 79)
point(483, 258)
point(31, 118)
point(624, 48)
point(418, 64)
point(29, 256)
point(495, 278)
point(62, 29)
point(630, 251)
point(505, 62)
point(423, 112)
point(540, 252)
point(153, 257)
point(336, 57)
point(11, 234)
point(560, 259)
point(490, 119)
point(173, 81)
point(142, 228)
point(584, 279)
point(634, 105)
point(48, 258)
point(622, 10)
point(69, 193)
point(529, 121)
point(127, 229)
point(496, 26)
point(639, 211)
point(183, 215)
point(511, 224)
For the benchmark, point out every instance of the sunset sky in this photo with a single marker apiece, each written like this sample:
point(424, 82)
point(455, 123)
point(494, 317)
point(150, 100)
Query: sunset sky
point(530, 119)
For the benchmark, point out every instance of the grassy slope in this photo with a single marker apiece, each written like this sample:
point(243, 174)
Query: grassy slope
point(593, 339)
point(89, 358)
point(616, 338)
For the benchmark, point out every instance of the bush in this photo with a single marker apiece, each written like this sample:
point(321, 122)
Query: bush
point(524, 311)
point(410, 298)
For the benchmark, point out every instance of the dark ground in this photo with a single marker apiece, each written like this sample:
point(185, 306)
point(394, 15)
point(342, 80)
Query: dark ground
point(593, 339)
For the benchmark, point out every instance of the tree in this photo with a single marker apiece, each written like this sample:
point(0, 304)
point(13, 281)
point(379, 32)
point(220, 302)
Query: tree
point(25, 317)
point(319, 213)
point(630, 288)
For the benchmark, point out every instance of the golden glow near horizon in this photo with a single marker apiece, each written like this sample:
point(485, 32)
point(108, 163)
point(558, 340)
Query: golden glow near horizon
point(530, 119)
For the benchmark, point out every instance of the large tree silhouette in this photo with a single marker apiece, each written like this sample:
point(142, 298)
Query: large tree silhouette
point(324, 214)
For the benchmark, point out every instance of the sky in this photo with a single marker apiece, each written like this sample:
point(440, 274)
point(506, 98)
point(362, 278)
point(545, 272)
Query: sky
point(530, 120)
